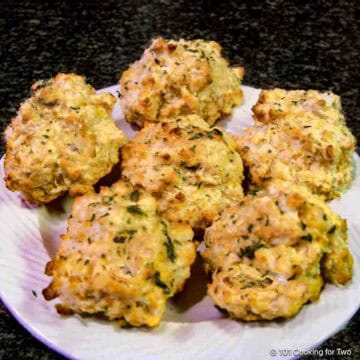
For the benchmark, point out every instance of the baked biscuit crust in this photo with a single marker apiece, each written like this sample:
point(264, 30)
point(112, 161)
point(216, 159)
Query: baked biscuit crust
point(175, 78)
point(192, 169)
point(119, 259)
point(271, 253)
point(62, 139)
point(301, 137)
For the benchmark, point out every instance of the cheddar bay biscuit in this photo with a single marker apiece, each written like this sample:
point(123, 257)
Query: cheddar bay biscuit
point(193, 169)
point(272, 252)
point(175, 78)
point(119, 259)
point(300, 136)
point(62, 139)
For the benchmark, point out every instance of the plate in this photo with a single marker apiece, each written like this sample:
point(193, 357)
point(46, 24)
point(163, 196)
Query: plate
point(192, 328)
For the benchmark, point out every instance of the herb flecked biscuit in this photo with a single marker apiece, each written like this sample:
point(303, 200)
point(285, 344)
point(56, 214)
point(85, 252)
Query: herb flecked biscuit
point(119, 259)
point(62, 139)
point(182, 77)
point(302, 137)
point(276, 104)
point(193, 169)
point(271, 253)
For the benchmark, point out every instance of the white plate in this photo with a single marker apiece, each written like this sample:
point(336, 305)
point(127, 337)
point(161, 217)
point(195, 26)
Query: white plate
point(192, 328)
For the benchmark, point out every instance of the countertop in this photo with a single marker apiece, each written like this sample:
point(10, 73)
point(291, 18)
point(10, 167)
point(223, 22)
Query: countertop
point(312, 45)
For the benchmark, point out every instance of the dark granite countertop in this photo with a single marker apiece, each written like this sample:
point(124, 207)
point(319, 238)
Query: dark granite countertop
point(313, 45)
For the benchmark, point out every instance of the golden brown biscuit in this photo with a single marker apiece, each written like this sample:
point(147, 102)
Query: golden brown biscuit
point(269, 253)
point(300, 139)
point(175, 78)
point(192, 169)
point(249, 295)
point(119, 259)
point(62, 139)
point(276, 104)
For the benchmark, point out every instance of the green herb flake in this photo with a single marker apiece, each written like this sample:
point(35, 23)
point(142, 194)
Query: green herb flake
point(209, 135)
point(134, 209)
point(161, 284)
point(34, 293)
point(170, 249)
point(332, 229)
point(249, 285)
point(134, 196)
point(249, 251)
point(307, 237)
point(196, 136)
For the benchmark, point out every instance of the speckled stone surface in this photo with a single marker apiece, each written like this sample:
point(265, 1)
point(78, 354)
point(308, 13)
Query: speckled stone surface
point(313, 45)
